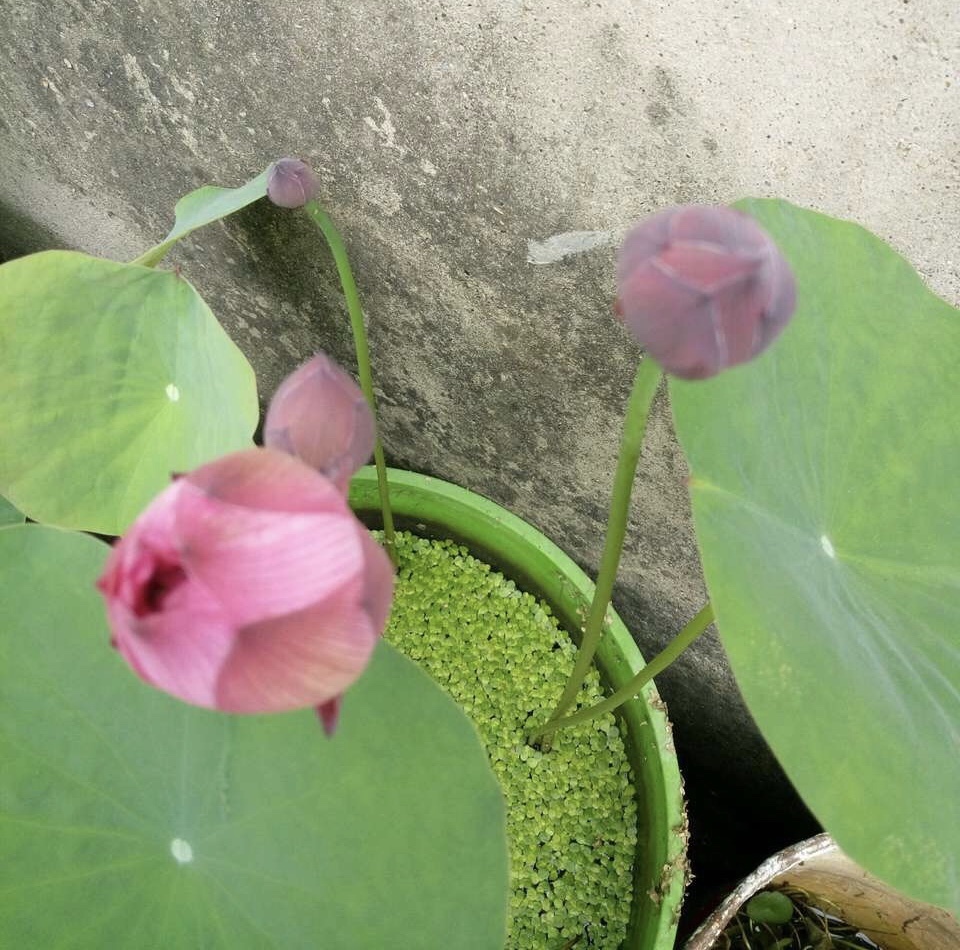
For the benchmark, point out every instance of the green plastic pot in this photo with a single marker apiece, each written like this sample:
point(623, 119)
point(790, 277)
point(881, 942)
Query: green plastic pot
point(434, 508)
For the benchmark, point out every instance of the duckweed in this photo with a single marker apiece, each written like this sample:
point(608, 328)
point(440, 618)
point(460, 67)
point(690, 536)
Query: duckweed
point(571, 814)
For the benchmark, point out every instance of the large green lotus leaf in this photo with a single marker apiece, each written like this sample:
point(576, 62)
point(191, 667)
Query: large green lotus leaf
point(128, 819)
point(824, 493)
point(204, 206)
point(112, 376)
point(9, 514)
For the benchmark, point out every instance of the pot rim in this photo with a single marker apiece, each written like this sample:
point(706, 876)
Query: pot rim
point(840, 886)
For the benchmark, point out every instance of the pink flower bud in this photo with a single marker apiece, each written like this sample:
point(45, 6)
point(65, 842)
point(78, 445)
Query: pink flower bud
point(320, 415)
point(291, 183)
point(249, 586)
point(703, 288)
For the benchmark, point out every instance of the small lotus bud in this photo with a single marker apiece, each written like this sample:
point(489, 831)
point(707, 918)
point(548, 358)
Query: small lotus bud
point(320, 415)
point(703, 288)
point(291, 183)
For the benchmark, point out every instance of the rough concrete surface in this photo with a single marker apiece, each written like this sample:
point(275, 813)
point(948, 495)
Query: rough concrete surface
point(483, 159)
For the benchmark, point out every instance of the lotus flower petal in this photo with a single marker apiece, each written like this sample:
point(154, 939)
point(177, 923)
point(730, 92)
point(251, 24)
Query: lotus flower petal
point(265, 480)
point(182, 648)
point(225, 549)
point(281, 663)
point(378, 581)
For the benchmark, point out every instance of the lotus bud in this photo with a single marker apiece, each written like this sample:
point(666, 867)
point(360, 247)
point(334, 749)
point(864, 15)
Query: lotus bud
point(249, 586)
point(320, 415)
point(291, 183)
point(703, 288)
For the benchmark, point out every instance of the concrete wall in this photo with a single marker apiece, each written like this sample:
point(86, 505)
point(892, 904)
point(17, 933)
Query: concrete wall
point(463, 147)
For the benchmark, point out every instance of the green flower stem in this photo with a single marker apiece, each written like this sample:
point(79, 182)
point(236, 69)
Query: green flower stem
point(634, 426)
point(323, 221)
point(154, 255)
point(654, 668)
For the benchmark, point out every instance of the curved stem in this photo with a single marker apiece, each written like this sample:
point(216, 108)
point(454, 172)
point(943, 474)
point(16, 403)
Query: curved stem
point(154, 255)
point(654, 668)
point(339, 251)
point(634, 426)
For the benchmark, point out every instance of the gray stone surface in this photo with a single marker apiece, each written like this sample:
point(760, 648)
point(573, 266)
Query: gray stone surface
point(483, 159)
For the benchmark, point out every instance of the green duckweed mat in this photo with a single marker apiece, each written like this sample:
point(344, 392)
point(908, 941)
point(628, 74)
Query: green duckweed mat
point(571, 813)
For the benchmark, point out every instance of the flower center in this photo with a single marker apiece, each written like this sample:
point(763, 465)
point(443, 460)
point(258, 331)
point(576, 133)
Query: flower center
point(165, 579)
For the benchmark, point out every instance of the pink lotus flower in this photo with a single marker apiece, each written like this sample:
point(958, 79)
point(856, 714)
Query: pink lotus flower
point(320, 415)
point(703, 288)
point(249, 586)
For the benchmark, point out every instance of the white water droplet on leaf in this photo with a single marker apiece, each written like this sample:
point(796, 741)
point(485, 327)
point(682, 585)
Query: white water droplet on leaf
point(827, 546)
point(173, 394)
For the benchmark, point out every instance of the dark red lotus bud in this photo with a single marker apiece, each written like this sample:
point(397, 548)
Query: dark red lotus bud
point(703, 288)
point(291, 183)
